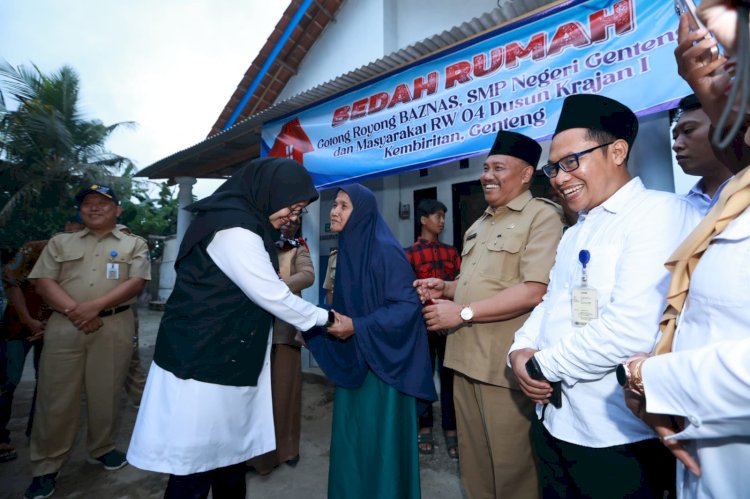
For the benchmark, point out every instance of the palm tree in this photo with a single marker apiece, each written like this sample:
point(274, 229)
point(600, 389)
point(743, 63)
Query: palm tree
point(47, 151)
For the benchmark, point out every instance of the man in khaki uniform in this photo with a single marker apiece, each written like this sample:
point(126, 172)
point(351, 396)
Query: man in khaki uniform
point(90, 279)
point(506, 259)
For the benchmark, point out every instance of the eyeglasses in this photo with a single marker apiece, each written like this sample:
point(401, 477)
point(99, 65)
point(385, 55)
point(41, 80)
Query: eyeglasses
point(294, 214)
point(568, 163)
point(297, 213)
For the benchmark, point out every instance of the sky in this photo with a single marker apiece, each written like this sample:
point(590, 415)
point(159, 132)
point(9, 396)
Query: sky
point(168, 65)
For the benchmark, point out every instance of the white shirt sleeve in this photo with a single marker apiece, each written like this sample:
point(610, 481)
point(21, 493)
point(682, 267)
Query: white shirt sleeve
point(240, 254)
point(709, 386)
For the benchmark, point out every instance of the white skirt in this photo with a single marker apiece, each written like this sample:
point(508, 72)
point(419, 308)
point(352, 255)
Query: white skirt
point(189, 426)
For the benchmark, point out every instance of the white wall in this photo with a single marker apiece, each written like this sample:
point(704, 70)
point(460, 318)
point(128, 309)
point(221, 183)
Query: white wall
point(651, 158)
point(353, 39)
point(167, 274)
point(366, 30)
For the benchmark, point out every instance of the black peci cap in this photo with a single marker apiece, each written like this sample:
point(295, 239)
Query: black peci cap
point(597, 112)
point(517, 145)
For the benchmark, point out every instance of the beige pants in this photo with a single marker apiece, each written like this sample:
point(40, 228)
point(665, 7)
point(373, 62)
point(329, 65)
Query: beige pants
point(71, 362)
point(286, 388)
point(494, 441)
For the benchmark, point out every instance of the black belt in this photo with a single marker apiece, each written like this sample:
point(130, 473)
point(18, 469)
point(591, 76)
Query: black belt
point(113, 311)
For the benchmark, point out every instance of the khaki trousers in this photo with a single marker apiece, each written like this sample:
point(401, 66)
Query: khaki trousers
point(71, 362)
point(494, 440)
point(286, 389)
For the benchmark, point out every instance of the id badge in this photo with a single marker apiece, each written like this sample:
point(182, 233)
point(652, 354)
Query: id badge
point(584, 305)
point(113, 271)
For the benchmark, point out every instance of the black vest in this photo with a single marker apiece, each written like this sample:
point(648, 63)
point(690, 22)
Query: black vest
point(211, 331)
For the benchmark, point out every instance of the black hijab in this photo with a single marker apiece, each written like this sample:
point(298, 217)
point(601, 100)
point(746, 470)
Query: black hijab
point(256, 191)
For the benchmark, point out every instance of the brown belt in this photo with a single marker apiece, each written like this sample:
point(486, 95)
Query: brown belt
point(113, 311)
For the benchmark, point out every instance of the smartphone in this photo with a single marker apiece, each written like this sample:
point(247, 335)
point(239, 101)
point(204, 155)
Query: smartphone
point(688, 6)
point(534, 370)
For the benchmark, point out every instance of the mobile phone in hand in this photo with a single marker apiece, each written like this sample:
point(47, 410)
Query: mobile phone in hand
point(534, 370)
point(688, 6)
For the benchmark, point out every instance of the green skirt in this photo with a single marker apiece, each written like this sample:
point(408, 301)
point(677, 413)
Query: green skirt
point(374, 453)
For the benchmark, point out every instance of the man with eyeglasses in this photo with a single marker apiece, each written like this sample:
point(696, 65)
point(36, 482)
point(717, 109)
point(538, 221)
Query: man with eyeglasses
point(606, 293)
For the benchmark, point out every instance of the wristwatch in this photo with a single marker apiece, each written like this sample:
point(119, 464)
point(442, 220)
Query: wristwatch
point(331, 319)
point(629, 375)
point(467, 314)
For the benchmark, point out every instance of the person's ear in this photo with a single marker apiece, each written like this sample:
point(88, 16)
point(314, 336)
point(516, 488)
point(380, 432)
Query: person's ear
point(528, 173)
point(619, 150)
point(421, 219)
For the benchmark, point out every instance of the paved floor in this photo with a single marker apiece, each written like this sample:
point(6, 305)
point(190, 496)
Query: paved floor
point(308, 480)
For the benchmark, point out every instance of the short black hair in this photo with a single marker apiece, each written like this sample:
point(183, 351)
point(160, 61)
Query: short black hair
point(429, 206)
point(688, 103)
point(603, 137)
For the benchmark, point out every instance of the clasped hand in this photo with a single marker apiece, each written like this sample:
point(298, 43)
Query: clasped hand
point(429, 289)
point(342, 327)
point(84, 316)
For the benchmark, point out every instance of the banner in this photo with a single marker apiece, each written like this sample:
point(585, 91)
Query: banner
point(452, 105)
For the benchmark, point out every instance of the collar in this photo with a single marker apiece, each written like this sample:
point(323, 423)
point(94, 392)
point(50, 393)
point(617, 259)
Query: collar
point(518, 203)
point(622, 198)
point(86, 231)
point(422, 240)
point(697, 190)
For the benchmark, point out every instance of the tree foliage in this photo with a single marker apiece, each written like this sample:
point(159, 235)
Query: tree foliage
point(147, 216)
point(48, 151)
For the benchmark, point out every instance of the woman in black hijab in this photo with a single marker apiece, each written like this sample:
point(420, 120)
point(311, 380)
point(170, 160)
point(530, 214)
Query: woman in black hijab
point(207, 404)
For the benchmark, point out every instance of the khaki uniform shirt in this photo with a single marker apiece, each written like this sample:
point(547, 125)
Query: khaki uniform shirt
point(78, 262)
point(510, 245)
point(330, 272)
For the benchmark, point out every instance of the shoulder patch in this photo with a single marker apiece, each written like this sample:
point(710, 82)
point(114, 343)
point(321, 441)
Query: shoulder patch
point(145, 241)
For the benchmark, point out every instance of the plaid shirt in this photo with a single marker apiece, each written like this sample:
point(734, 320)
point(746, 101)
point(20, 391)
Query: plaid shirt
point(434, 259)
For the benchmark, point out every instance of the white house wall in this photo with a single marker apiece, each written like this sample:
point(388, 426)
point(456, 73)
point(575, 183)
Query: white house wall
point(353, 39)
point(366, 30)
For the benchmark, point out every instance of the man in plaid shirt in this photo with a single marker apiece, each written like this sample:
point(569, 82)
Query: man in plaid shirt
point(431, 258)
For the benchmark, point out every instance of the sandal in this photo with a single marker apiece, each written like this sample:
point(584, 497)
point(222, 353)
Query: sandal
point(7, 452)
point(425, 443)
point(451, 444)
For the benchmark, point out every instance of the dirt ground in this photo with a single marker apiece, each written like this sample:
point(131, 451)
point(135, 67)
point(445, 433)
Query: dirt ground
point(308, 480)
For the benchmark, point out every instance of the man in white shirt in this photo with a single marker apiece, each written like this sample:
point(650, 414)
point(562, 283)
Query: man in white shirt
point(692, 148)
point(605, 296)
point(706, 378)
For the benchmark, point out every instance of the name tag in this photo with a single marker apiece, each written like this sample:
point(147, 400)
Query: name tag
point(584, 305)
point(113, 271)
